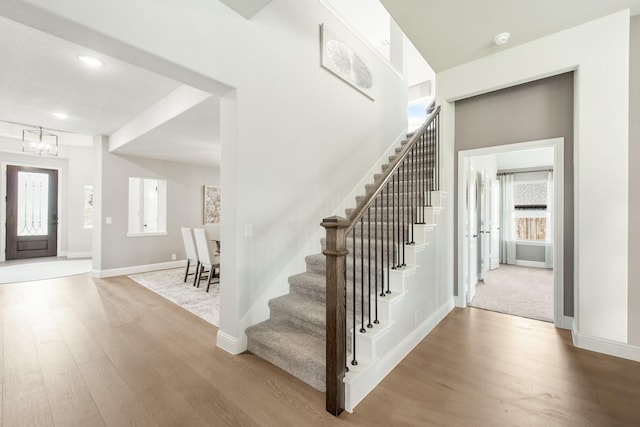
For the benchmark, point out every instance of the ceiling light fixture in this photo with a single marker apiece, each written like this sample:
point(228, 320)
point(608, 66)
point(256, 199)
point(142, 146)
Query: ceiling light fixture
point(90, 61)
point(60, 115)
point(501, 39)
point(39, 142)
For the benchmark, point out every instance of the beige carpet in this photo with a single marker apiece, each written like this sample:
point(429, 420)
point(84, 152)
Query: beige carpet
point(170, 284)
point(520, 291)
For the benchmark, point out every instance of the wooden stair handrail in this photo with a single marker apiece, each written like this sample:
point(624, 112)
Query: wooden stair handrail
point(379, 183)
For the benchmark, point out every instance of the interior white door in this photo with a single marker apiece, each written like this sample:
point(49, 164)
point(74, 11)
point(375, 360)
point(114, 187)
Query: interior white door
point(495, 224)
point(473, 234)
point(483, 226)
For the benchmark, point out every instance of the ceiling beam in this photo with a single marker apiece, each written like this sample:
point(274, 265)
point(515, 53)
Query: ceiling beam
point(247, 8)
point(172, 105)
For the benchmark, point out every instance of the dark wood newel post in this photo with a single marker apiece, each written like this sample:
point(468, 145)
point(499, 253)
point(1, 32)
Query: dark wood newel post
point(336, 326)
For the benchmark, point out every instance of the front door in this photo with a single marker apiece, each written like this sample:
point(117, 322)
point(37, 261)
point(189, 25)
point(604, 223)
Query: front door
point(32, 212)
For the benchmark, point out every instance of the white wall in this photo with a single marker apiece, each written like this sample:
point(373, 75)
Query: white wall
point(599, 53)
point(75, 168)
point(80, 174)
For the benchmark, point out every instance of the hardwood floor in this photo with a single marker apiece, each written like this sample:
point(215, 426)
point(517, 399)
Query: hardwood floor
point(87, 352)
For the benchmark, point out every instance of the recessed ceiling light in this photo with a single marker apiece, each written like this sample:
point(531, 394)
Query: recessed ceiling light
point(501, 39)
point(90, 61)
point(60, 115)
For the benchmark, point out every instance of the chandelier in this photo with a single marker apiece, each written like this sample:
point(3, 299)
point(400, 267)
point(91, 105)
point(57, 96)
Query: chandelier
point(39, 142)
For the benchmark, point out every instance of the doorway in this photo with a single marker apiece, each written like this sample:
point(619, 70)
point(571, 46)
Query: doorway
point(484, 254)
point(32, 212)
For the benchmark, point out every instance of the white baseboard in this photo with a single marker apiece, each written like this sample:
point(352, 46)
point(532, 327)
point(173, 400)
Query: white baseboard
point(79, 254)
point(361, 385)
point(137, 269)
point(601, 345)
point(230, 344)
point(534, 264)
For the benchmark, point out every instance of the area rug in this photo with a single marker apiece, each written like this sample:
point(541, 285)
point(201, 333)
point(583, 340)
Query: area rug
point(170, 285)
point(520, 291)
point(13, 272)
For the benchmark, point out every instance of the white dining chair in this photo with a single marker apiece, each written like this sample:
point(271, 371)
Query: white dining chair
point(206, 255)
point(191, 253)
point(213, 233)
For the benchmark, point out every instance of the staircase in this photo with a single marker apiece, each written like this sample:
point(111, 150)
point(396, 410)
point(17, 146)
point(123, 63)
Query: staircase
point(293, 338)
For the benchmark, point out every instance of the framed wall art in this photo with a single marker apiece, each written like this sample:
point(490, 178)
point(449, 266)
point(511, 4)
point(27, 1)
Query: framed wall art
point(339, 56)
point(211, 204)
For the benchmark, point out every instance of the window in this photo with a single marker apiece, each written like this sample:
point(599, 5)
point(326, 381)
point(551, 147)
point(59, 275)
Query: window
point(531, 214)
point(33, 204)
point(529, 226)
point(87, 207)
point(147, 206)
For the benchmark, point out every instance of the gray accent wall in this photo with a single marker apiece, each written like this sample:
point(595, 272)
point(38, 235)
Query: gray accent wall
point(184, 207)
point(634, 181)
point(528, 252)
point(538, 110)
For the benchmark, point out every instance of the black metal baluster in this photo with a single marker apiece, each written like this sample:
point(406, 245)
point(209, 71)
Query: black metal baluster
point(419, 181)
point(369, 325)
point(437, 154)
point(375, 240)
point(393, 222)
point(362, 329)
point(411, 196)
point(430, 160)
point(346, 323)
point(404, 211)
point(399, 260)
point(354, 362)
point(437, 139)
point(423, 191)
point(388, 252)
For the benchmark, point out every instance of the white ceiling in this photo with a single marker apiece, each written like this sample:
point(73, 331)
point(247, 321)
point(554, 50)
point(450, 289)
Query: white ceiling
point(40, 74)
point(452, 32)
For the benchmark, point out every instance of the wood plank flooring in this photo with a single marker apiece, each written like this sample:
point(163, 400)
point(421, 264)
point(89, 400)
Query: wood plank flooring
point(78, 351)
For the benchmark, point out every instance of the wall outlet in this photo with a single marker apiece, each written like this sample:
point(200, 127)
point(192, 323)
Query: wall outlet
point(248, 230)
point(173, 257)
point(107, 220)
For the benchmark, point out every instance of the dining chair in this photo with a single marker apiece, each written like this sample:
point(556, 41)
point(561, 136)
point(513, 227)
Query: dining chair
point(206, 255)
point(192, 254)
point(213, 233)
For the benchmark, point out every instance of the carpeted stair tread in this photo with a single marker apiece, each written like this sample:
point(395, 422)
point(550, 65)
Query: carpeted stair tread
point(311, 285)
point(306, 313)
point(291, 349)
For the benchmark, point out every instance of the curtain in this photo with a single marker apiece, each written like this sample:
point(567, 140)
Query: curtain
point(548, 247)
point(507, 241)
